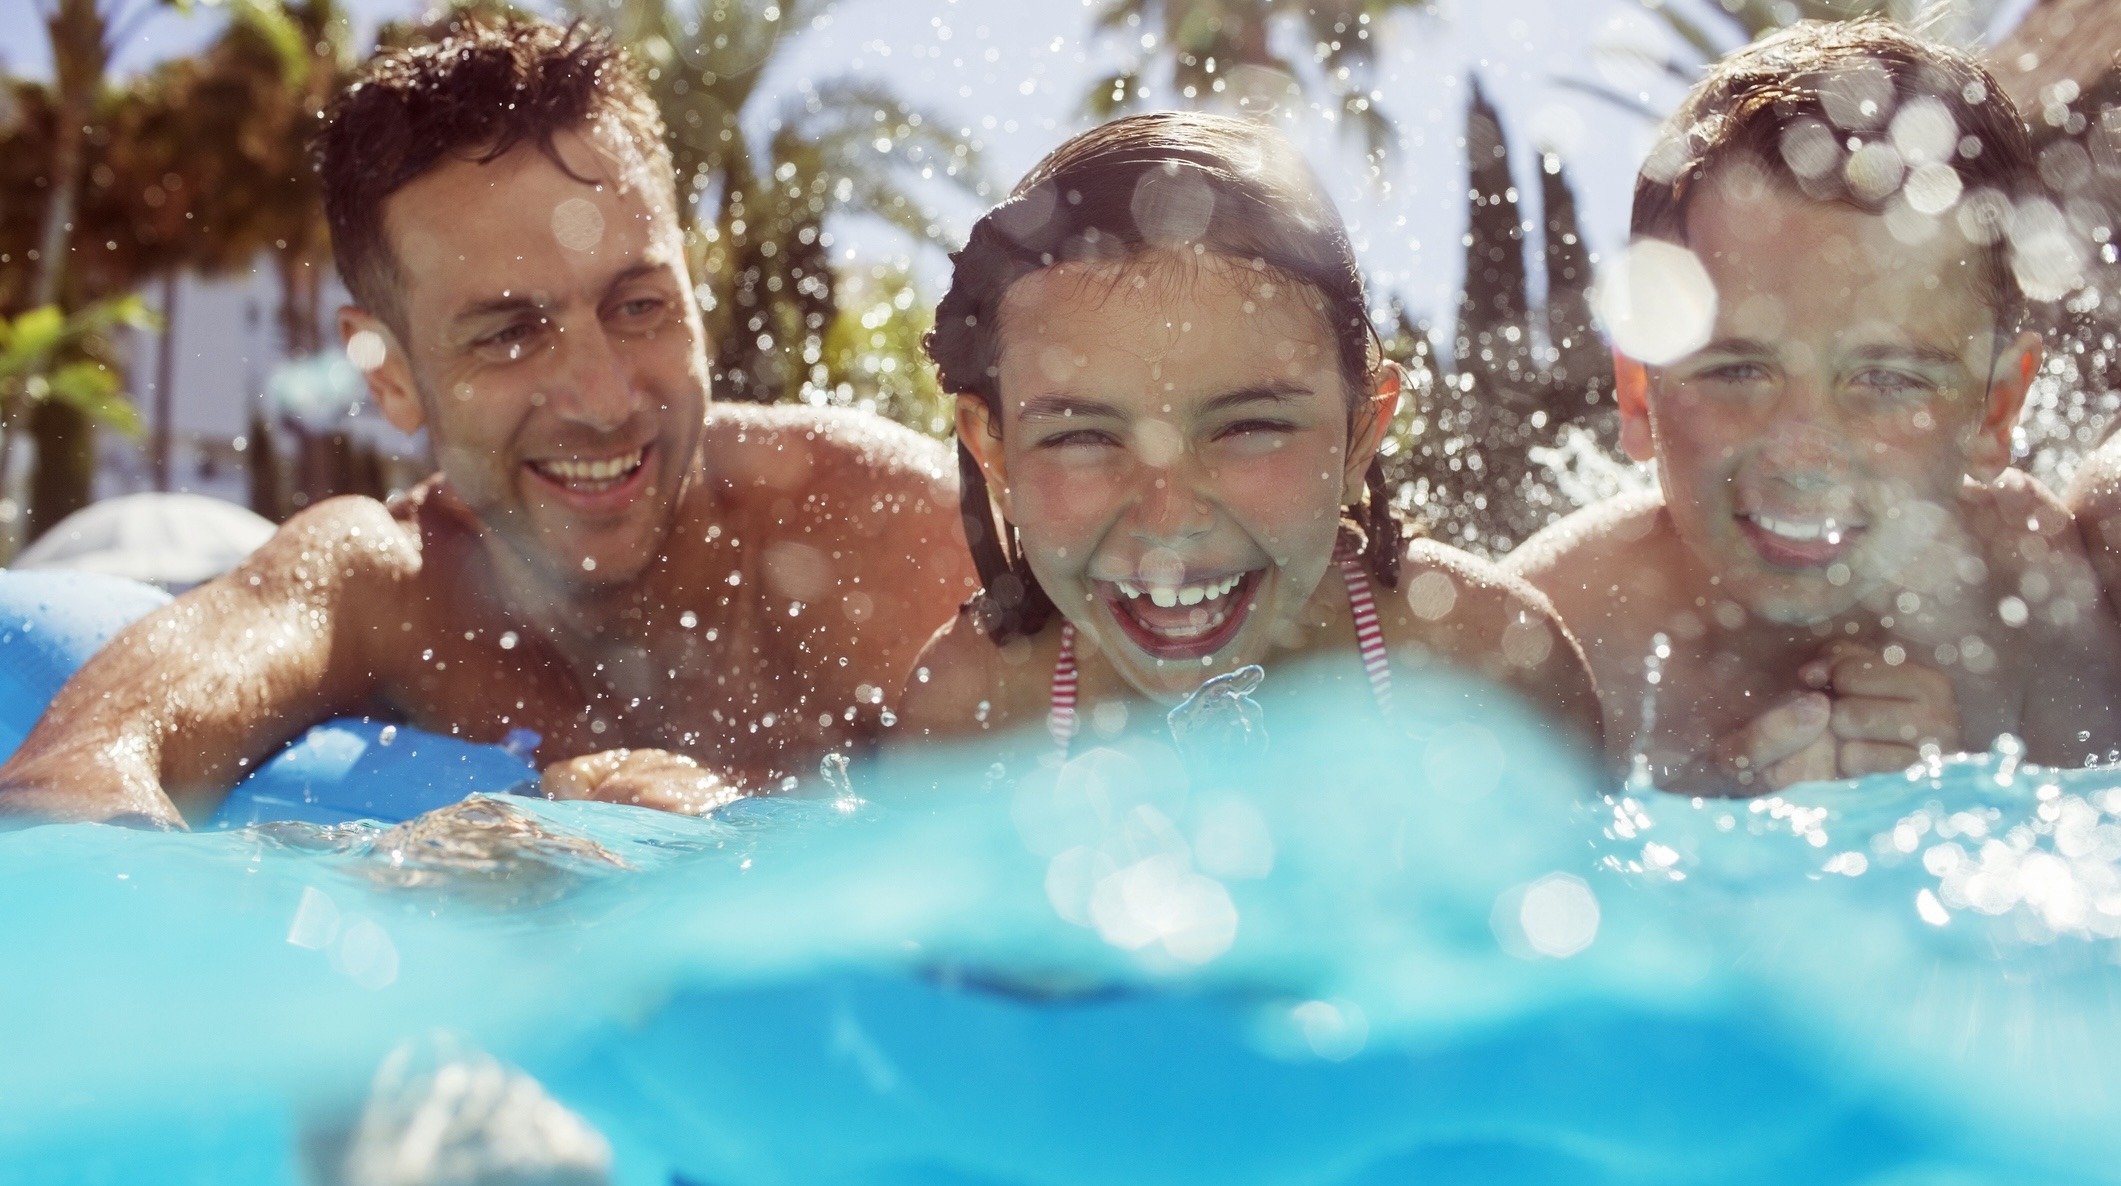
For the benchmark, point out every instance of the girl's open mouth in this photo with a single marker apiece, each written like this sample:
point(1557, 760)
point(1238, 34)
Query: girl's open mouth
point(1184, 621)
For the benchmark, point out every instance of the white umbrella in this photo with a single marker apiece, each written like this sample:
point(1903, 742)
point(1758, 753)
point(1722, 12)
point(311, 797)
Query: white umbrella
point(172, 540)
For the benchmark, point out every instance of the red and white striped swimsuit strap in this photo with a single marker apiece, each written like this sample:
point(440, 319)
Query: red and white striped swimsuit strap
point(1061, 723)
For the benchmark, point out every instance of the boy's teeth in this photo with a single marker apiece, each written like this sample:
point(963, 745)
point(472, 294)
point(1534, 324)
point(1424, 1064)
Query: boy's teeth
point(1164, 597)
point(1128, 590)
point(1793, 530)
point(1191, 595)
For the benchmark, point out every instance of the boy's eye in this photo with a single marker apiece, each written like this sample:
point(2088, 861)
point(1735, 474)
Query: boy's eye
point(1887, 382)
point(1736, 372)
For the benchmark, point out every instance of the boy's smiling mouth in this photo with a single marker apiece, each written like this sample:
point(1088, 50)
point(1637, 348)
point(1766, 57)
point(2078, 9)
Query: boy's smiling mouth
point(1798, 541)
point(1182, 621)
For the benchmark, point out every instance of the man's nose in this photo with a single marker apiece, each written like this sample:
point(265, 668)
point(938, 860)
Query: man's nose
point(596, 389)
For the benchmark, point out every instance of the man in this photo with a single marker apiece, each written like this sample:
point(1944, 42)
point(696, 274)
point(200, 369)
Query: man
point(602, 559)
point(1840, 571)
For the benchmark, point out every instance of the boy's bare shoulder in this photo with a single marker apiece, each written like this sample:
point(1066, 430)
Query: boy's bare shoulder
point(1490, 621)
point(1582, 546)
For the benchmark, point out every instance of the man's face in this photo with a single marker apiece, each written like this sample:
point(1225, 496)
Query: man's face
point(555, 353)
point(1814, 450)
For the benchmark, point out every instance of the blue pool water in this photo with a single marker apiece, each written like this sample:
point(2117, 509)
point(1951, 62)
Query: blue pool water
point(1442, 956)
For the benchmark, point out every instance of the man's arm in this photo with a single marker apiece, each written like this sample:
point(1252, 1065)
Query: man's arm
point(175, 710)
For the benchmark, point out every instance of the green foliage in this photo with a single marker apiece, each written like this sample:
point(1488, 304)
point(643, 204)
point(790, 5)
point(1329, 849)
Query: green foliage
point(871, 355)
point(48, 355)
point(1221, 53)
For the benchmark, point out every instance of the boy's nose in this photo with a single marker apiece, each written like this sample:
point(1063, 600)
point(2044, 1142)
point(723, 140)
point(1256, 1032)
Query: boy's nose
point(1805, 453)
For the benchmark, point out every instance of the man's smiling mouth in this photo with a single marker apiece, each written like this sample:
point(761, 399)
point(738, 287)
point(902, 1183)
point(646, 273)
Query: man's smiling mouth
point(1182, 621)
point(591, 475)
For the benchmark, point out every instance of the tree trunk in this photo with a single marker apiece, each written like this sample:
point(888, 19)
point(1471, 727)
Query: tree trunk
point(59, 483)
point(165, 381)
point(65, 438)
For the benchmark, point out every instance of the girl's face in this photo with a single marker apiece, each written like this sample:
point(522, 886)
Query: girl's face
point(1174, 453)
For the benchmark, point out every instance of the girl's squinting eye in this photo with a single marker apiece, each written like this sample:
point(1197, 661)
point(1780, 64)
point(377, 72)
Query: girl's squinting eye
point(1255, 428)
point(1079, 438)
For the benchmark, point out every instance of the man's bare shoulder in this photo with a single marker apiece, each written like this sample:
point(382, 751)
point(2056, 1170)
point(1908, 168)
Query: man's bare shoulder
point(345, 539)
point(789, 445)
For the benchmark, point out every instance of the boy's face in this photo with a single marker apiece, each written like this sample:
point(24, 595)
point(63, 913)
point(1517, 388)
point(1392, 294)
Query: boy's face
point(1815, 448)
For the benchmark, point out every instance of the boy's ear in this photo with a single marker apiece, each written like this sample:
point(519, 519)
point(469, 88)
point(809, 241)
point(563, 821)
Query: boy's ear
point(1988, 454)
point(390, 375)
point(1631, 389)
point(1372, 421)
point(981, 437)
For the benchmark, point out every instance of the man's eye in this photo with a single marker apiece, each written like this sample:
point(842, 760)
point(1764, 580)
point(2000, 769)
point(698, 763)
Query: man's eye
point(640, 307)
point(510, 340)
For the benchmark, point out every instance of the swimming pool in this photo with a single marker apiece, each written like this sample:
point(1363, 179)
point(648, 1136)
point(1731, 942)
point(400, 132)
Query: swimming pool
point(1439, 957)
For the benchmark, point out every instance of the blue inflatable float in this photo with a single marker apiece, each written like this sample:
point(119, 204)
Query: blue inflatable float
point(51, 622)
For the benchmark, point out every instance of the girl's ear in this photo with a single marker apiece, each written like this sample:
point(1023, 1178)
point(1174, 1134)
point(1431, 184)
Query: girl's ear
point(1372, 421)
point(982, 438)
point(1988, 453)
point(382, 359)
point(1631, 389)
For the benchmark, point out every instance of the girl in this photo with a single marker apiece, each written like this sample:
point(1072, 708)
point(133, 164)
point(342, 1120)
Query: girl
point(1169, 403)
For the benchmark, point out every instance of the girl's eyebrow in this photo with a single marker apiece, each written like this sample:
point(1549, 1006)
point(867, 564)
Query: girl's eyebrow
point(1058, 406)
point(1275, 393)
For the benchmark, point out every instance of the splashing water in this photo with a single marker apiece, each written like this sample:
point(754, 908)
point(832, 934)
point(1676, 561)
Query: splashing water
point(1220, 719)
point(1439, 946)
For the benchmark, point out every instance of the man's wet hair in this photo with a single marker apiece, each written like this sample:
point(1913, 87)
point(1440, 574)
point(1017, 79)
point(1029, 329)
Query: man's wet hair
point(1853, 112)
point(1172, 180)
point(488, 86)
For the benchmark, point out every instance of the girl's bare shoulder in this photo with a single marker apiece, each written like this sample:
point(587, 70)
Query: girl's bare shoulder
point(964, 683)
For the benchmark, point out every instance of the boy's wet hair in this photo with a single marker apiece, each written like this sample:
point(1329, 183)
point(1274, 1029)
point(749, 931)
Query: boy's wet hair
point(1853, 112)
point(488, 86)
point(1165, 180)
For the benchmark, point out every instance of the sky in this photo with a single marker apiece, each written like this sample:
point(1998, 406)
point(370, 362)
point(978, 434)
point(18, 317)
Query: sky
point(1015, 72)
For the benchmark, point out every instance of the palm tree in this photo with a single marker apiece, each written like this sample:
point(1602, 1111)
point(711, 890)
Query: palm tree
point(757, 218)
point(82, 35)
point(1221, 52)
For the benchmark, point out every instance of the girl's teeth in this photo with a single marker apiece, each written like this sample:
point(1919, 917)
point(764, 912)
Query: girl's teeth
point(1163, 597)
point(1128, 590)
point(1191, 595)
point(1168, 597)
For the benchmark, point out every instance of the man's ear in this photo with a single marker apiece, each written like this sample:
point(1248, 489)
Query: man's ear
point(376, 350)
point(1372, 421)
point(1988, 454)
point(978, 433)
point(1631, 389)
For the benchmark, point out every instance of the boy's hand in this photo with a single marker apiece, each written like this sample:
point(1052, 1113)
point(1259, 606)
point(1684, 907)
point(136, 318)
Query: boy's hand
point(1789, 743)
point(643, 777)
point(1883, 713)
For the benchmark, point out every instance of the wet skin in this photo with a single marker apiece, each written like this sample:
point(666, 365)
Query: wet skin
point(1837, 519)
point(1178, 430)
point(603, 558)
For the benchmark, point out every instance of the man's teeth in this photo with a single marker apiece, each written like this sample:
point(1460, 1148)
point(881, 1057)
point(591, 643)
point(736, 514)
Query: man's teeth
point(1802, 532)
point(1168, 596)
point(601, 470)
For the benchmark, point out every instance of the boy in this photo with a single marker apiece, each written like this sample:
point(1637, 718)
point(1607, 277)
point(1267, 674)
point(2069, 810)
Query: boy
point(1840, 570)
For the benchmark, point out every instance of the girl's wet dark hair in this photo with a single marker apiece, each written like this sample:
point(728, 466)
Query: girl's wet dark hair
point(1169, 180)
